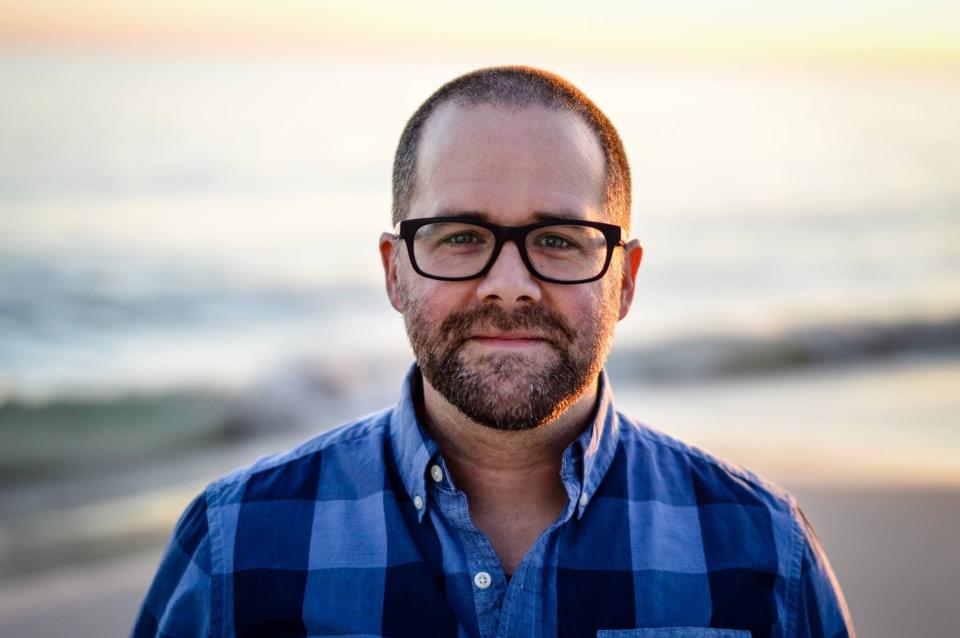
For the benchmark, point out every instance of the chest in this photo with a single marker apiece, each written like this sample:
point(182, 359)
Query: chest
point(443, 576)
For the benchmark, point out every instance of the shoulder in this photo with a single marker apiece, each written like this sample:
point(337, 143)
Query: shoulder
point(678, 470)
point(337, 477)
point(230, 532)
point(761, 556)
point(744, 521)
point(343, 462)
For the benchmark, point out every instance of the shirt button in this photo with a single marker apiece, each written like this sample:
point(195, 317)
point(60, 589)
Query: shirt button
point(418, 502)
point(583, 499)
point(436, 473)
point(482, 580)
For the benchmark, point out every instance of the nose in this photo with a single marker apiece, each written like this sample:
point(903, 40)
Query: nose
point(508, 281)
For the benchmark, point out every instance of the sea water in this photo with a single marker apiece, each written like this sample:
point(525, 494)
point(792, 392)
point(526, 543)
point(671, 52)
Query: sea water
point(175, 220)
point(183, 221)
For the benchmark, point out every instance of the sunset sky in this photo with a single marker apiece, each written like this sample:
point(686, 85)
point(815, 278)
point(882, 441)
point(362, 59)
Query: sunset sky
point(879, 31)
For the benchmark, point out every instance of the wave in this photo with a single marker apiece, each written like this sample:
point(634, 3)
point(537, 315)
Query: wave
point(76, 434)
point(707, 357)
point(71, 434)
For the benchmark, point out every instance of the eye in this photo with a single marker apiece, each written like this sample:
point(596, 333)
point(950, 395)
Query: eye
point(462, 238)
point(555, 242)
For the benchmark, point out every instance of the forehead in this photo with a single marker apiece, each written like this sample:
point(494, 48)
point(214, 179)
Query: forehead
point(508, 162)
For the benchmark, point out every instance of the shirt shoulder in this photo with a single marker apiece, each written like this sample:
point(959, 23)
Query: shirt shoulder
point(743, 524)
point(345, 462)
point(681, 472)
point(226, 545)
point(753, 535)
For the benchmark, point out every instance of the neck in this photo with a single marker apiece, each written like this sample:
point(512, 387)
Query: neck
point(482, 458)
point(511, 478)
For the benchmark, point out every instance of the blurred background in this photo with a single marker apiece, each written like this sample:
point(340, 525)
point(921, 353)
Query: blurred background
point(191, 195)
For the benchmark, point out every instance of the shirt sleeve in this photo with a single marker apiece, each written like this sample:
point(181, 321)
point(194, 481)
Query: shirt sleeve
point(822, 609)
point(178, 601)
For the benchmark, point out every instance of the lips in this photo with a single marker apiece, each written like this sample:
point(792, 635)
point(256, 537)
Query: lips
point(491, 325)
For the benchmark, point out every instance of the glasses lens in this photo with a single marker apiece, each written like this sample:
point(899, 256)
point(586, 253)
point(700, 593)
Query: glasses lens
point(452, 249)
point(568, 252)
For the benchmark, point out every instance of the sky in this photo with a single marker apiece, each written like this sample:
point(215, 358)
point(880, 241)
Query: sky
point(858, 31)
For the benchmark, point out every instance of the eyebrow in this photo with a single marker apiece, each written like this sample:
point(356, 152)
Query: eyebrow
point(470, 214)
point(538, 216)
point(559, 215)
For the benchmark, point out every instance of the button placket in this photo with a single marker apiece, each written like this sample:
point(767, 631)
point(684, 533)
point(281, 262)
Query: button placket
point(482, 564)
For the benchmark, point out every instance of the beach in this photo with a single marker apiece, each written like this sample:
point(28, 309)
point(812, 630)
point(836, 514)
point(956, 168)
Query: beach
point(190, 280)
point(893, 551)
point(892, 542)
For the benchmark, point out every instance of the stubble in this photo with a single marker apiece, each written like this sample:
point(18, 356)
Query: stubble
point(508, 390)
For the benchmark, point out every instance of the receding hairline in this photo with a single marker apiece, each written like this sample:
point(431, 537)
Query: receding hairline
point(515, 88)
point(431, 136)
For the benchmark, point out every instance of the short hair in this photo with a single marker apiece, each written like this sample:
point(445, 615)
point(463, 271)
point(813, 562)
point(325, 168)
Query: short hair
point(515, 87)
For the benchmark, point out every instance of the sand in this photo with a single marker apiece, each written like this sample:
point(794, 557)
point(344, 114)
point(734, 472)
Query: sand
point(894, 552)
point(896, 555)
point(878, 481)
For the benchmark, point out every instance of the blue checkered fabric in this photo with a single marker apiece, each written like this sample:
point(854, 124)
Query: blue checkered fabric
point(657, 539)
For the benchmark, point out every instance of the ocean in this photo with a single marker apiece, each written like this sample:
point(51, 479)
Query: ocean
point(173, 224)
point(189, 279)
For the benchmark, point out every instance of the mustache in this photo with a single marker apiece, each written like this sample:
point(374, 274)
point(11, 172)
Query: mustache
point(459, 325)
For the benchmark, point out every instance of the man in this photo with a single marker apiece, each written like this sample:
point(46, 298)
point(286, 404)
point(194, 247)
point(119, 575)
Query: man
point(503, 495)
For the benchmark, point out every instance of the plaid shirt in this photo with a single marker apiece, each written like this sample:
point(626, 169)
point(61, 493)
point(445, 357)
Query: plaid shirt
point(361, 532)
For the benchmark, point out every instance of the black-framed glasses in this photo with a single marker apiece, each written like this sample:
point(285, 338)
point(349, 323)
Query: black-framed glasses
point(556, 251)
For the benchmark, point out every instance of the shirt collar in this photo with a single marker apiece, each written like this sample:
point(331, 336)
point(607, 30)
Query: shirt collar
point(412, 445)
point(413, 448)
point(596, 446)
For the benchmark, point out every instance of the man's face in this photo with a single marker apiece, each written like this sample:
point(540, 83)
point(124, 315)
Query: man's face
point(508, 350)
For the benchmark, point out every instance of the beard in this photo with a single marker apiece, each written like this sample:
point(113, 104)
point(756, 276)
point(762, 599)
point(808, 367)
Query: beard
point(507, 390)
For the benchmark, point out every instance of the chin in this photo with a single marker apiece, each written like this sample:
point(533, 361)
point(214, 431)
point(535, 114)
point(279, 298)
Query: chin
point(516, 369)
point(510, 392)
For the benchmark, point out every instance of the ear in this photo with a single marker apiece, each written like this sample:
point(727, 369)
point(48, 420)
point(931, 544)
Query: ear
point(389, 245)
point(632, 255)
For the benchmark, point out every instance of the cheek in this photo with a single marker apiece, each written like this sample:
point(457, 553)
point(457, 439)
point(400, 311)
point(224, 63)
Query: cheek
point(591, 307)
point(608, 298)
point(428, 299)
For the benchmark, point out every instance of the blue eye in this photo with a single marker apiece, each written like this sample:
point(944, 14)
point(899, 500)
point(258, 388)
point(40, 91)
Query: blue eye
point(556, 242)
point(462, 239)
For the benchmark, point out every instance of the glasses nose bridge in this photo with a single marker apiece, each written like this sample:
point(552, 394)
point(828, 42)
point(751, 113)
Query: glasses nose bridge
point(516, 234)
